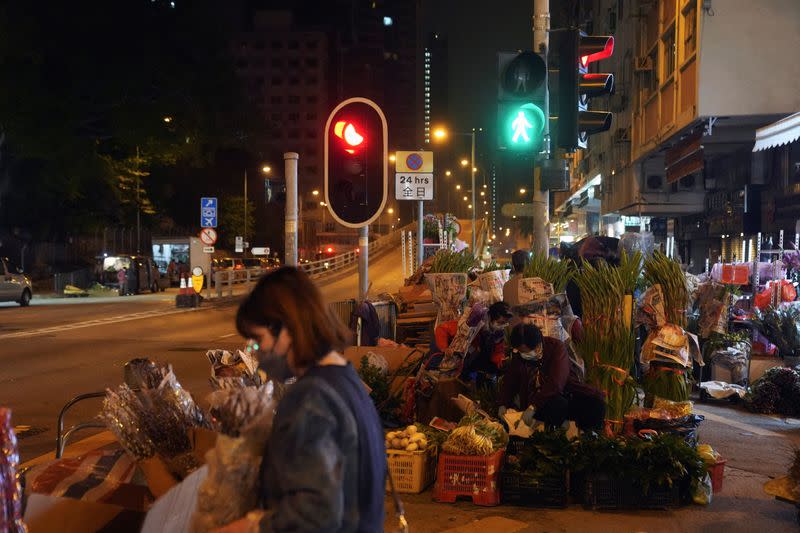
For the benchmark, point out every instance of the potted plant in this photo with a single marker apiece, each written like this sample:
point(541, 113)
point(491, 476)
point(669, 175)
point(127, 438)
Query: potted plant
point(782, 327)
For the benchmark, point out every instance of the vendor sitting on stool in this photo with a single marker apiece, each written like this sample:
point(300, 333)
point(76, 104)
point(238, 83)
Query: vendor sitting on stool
point(540, 375)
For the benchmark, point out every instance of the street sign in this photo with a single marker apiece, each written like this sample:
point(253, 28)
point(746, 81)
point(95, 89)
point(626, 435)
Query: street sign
point(518, 210)
point(239, 244)
point(208, 236)
point(208, 212)
point(413, 175)
point(418, 161)
point(260, 251)
point(208, 249)
point(413, 186)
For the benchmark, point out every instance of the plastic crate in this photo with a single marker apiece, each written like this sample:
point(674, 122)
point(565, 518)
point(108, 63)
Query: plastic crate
point(412, 472)
point(717, 473)
point(603, 492)
point(473, 476)
point(516, 445)
point(655, 498)
point(522, 490)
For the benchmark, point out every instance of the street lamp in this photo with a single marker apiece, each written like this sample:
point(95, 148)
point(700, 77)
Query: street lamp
point(447, 173)
point(441, 134)
point(315, 192)
point(522, 191)
point(266, 169)
point(458, 187)
point(392, 158)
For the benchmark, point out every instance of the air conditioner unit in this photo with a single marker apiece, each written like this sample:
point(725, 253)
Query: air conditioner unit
point(654, 183)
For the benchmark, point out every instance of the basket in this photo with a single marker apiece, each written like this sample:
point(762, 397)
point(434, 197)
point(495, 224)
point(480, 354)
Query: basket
point(603, 492)
point(473, 476)
point(516, 446)
point(717, 473)
point(412, 472)
point(522, 490)
point(661, 497)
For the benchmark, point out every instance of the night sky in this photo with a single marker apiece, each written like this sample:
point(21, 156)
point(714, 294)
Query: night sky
point(476, 30)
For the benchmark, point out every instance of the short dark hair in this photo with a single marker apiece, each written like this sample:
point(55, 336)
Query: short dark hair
point(519, 260)
point(500, 310)
point(526, 334)
point(287, 297)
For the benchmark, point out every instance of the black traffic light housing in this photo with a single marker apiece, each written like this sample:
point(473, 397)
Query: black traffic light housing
point(356, 144)
point(522, 101)
point(576, 85)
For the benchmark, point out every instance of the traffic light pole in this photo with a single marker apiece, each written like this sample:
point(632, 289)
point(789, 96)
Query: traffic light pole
point(363, 263)
point(541, 199)
point(474, 207)
point(290, 226)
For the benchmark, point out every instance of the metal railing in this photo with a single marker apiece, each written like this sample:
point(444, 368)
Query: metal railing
point(224, 280)
point(386, 310)
point(341, 261)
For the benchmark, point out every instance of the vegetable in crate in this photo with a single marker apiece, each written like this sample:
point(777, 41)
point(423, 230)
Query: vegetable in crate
point(410, 439)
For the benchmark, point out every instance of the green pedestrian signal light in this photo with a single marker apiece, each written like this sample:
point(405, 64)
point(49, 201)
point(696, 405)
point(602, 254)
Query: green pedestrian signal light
point(522, 127)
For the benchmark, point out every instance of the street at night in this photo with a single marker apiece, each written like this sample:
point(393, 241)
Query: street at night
point(354, 266)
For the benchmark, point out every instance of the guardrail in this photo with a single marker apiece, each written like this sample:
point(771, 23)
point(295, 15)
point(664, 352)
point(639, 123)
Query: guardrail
point(224, 280)
point(346, 259)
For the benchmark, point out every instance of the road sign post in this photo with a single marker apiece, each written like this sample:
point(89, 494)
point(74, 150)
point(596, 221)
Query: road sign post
point(413, 180)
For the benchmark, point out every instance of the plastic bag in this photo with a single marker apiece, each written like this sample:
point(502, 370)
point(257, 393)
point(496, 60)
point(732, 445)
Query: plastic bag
point(685, 427)
point(702, 491)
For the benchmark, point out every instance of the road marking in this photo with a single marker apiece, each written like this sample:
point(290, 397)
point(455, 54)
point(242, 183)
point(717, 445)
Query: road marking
point(226, 336)
point(96, 322)
point(739, 425)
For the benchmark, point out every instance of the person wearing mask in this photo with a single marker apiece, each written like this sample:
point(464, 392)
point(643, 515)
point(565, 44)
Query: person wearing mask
point(540, 375)
point(490, 354)
point(519, 260)
point(324, 466)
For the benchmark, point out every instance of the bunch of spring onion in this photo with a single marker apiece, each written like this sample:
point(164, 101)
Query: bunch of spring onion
point(553, 271)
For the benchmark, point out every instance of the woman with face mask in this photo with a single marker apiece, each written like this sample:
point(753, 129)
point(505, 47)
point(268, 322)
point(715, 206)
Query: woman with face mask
point(541, 377)
point(324, 466)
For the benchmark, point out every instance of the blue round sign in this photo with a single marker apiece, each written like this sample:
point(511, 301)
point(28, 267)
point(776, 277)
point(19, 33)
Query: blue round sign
point(414, 161)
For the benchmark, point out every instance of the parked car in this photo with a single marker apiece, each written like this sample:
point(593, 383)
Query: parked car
point(14, 285)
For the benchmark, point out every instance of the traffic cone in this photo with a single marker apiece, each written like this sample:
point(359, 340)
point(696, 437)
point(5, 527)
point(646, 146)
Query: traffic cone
point(182, 289)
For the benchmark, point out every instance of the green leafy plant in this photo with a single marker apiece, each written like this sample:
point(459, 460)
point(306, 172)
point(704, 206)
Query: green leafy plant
point(782, 327)
point(546, 455)
point(379, 384)
point(553, 271)
point(449, 262)
point(494, 265)
point(661, 270)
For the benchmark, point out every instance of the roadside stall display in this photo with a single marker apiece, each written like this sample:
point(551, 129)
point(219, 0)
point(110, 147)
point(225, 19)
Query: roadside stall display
point(10, 490)
point(447, 279)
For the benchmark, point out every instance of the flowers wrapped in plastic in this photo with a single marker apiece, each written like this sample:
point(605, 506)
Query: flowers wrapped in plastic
point(152, 421)
point(230, 490)
point(10, 491)
point(237, 369)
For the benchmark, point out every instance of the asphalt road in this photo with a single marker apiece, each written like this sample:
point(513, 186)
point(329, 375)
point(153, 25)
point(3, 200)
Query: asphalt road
point(53, 351)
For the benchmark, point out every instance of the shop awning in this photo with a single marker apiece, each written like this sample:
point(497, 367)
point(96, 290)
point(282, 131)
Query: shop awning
point(785, 131)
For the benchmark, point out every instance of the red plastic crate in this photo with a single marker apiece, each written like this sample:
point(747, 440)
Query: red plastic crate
point(717, 472)
point(473, 476)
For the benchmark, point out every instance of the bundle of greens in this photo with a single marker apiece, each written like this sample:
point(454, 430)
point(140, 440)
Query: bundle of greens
point(661, 270)
point(449, 262)
point(608, 341)
point(379, 384)
point(667, 381)
point(494, 265)
point(661, 461)
point(475, 435)
point(782, 327)
point(558, 273)
point(545, 456)
point(777, 391)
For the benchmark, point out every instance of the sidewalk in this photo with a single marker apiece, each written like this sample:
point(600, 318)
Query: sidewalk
point(757, 448)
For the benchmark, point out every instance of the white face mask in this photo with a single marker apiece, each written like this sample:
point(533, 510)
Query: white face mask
point(533, 355)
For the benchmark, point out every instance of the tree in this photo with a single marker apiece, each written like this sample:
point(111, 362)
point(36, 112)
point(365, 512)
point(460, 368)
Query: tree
point(91, 86)
point(232, 221)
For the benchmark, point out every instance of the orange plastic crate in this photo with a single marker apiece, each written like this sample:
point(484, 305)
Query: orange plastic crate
point(473, 476)
point(735, 274)
point(412, 472)
point(717, 473)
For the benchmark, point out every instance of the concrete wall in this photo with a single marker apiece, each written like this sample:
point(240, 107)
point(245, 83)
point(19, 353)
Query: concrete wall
point(748, 58)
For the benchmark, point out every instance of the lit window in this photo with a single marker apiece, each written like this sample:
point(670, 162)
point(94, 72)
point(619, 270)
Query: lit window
point(387, 21)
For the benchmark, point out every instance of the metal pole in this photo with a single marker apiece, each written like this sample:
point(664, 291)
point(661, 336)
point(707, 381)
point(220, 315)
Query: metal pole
point(472, 174)
point(363, 263)
point(138, 205)
point(244, 237)
point(420, 247)
point(290, 226)
point(541, 199)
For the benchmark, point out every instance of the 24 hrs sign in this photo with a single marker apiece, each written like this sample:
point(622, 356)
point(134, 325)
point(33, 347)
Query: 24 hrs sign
point(416, 186)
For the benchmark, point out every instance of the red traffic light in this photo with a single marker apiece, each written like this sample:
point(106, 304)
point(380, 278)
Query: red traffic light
point(594, 48)
point(348, 132)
